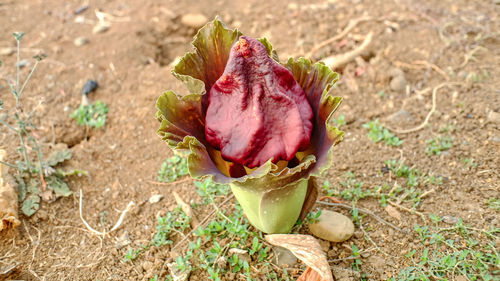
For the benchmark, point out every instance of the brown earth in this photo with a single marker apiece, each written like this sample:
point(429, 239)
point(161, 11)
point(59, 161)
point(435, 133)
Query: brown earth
point(428, 40)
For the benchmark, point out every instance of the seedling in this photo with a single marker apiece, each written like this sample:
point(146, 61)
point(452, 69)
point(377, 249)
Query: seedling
point(378, 133)
point(92, 115)
point(173, 168)
point(437, 145)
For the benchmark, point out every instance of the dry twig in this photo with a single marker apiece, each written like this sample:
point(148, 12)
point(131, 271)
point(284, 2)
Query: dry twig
point(422, 64)
point(426, 121)
point(406, 209)
point(352, 23)
point(118, 223)
point(342, 59)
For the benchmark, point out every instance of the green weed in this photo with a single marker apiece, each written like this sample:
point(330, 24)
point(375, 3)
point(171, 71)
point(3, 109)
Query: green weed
point(437, 145)
point(378, 133)
point(339, 121)
point(92, 115)
point(39, 173)
point(455, 251)
point(173, 168)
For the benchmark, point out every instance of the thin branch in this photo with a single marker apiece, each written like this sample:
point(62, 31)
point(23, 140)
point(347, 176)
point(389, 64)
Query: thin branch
point(28, 78)
point(364, 211)
point(118, 223)
point(352, 23)
point(342, 59)
point(8, 164)
point(433, 109)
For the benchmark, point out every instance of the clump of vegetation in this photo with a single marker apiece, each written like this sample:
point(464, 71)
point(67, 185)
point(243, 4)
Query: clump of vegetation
point(378, 133)
point(437, 145)
point(206, 253)
point(172, 169)
point(459, 250)
point(37, 176)
point(92, 115)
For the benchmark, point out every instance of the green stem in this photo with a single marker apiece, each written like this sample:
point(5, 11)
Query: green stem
point(8, 164)
point(39, 156)
point(27, 79)
point(25, 153)
point(18, 70)
point(8, 126)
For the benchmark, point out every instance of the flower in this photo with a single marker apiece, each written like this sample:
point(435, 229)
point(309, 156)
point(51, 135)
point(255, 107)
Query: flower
point(274, 187)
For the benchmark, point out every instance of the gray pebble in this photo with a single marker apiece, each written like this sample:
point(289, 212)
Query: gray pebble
point(332, 226)
point(80, 41)
point(450, 219)
point(398, 83)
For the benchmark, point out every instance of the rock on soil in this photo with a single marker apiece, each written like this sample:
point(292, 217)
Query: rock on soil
point(398, 84)
point(194, 20)
point(80, 41)
point(332, 226)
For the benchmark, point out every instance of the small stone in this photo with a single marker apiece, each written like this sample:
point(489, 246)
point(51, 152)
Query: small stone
point(147, 266)
point(80, 41)
point(400, 117)
point(450, 219)
point(155, 198)
point(89, 86)
point(494, 117)
point(100, 28)
point(194, 20)
point(395, 72)
point(398, 83)
point(293, 6)
point(123, 240)
point(283, 257)
point(332, 226)
point(7, 51)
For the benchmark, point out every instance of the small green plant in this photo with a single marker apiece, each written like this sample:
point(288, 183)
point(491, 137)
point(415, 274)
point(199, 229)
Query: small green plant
point(339, 121)
point(452, 251)
point(92, 115)
point(173, 168)
point(437, 145)
point(494, 203)
point(378, 133)
point(36, 174)
point(173, 222)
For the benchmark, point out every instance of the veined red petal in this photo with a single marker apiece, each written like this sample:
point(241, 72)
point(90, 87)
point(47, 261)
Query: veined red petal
point(257, 111)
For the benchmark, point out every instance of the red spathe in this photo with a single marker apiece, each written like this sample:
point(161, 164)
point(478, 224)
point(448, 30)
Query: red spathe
point(257, 111)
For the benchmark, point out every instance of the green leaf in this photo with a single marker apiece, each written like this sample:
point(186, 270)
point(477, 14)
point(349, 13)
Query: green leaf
point(31, 205)
point(58, 186)
point(18, 35)
point(57, 157)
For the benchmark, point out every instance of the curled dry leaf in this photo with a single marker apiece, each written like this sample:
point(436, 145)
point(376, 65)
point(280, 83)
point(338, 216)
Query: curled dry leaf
point(8, 198)
point(308, 250)
point(310, 275)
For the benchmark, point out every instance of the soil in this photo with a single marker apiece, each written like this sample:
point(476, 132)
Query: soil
point(427, 40)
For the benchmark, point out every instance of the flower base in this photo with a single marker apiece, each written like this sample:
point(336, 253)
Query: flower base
point(272, 210)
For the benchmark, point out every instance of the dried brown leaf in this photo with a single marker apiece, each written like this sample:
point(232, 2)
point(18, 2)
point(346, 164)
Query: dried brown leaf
point(8, 198)
point(310, 275)
point(307, 249)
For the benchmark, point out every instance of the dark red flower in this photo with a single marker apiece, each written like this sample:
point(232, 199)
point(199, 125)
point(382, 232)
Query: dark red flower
point(257, 111)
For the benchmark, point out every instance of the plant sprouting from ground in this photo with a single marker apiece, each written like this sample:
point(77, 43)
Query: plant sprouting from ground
point(378, 133)
point(92, 115)
point(437, 145)
point(37, 175)
point(173, 168)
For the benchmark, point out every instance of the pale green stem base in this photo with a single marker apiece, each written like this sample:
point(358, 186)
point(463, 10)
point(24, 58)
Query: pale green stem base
point(272, 210)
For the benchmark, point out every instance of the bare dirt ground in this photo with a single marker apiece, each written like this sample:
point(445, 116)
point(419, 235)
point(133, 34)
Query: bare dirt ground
point(432, 42)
